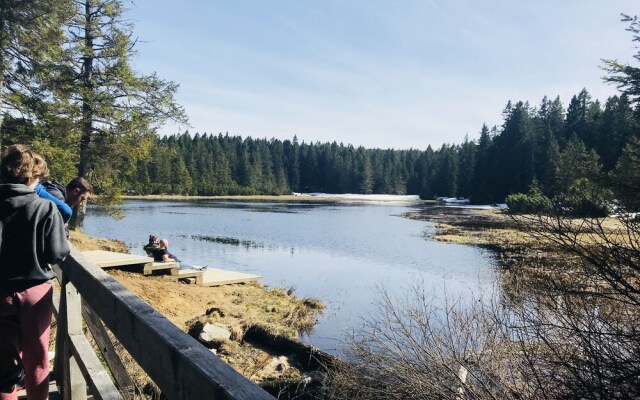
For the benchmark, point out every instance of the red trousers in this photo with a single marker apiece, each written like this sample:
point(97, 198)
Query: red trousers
point(25, 321)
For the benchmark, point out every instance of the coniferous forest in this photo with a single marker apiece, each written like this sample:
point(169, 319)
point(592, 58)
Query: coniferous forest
point(67, 88)
point(540, 143)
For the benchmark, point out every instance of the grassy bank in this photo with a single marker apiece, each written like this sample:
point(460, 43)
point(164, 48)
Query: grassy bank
point(239, 308)
point(491, 227)
point(517, 246)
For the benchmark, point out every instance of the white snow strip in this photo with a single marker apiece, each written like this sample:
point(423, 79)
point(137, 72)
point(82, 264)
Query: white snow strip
point(365, 197)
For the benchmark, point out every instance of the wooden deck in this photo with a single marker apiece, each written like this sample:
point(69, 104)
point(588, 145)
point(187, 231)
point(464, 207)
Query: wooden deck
point(106, 259)
point(208, 277)
point(217, 277)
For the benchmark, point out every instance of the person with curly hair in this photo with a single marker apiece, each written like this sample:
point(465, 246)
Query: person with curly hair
point(32, 236)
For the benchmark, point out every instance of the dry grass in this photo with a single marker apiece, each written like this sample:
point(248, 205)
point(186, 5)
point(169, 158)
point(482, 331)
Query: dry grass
point(239, 307)
point(461, 235)
point(84, 242)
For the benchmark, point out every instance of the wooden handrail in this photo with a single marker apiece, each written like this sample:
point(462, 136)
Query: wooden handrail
point(179, 365)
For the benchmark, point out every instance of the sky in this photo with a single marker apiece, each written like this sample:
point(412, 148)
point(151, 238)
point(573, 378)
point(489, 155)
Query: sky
point(377, 73)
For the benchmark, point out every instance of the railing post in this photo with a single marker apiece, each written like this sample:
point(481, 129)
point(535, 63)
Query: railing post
point(74, 386)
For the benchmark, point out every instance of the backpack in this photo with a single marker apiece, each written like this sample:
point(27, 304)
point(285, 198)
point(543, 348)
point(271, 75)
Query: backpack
point(55, 189)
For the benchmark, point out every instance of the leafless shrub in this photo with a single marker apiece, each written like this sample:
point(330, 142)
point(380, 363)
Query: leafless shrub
point(583, 315)
point(418, 348)
point(571, 331)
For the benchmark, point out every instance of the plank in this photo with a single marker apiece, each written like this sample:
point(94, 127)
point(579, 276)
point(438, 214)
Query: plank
point(73, 385)
point(94, 374)
point(108, 351)
point(180, 366)
point(105, 259)
point(217, 277)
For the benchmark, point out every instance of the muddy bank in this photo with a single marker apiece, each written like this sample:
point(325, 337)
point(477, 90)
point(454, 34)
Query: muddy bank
point(262, 324)
point(491, 228)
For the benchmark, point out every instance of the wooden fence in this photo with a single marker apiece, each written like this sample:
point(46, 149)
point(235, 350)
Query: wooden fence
point(181, 367)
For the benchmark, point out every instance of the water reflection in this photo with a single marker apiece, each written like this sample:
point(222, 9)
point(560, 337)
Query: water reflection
point(338, 252)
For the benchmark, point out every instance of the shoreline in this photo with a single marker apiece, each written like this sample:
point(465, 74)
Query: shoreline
point(489, 228)
point(273, 198)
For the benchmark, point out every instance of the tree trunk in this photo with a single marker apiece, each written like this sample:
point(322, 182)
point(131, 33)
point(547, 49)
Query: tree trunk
point(77, 219)
point(1, 97)
point(76, 222)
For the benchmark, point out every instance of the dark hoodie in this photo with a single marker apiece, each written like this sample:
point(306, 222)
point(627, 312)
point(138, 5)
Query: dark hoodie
point(31, 236)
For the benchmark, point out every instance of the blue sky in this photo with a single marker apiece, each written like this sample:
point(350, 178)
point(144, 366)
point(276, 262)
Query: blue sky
point(390, 74)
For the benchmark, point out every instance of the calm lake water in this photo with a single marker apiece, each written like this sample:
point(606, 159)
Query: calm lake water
point(338, 253)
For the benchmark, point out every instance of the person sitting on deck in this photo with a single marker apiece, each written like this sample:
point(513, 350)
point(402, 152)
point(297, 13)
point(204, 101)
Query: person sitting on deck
point(162, 254)
point(154, 243)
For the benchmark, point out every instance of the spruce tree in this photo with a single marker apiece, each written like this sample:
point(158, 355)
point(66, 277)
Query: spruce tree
point(115, 110)
point(626, 77)
point(31, 38)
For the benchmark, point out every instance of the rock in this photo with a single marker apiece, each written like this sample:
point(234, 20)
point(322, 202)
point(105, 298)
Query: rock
point(214, 334)
point(278, 364)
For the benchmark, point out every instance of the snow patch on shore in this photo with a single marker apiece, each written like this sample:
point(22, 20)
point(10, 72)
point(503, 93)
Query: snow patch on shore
point(362, 197)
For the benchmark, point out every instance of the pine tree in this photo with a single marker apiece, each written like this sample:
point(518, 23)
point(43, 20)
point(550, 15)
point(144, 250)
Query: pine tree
point(31, 37)
point(577, 118)
point(515, 152)
point(292, 163)
point(626, 77)
point(483, 171)
point(466, 164)
point(116, 111)
point(548, 124)
point(618, 127)
point(365, 172)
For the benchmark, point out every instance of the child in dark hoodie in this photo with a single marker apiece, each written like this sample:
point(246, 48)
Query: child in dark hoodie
point(31, 237)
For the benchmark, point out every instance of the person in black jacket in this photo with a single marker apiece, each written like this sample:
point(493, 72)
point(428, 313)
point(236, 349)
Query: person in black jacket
point(162, 254)
point(32, 236)
point(154, 244)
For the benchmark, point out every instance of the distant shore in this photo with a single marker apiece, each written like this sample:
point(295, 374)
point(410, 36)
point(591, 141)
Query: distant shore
point(283, 198)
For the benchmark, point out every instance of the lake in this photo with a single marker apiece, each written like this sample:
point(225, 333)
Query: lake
point(339, 253)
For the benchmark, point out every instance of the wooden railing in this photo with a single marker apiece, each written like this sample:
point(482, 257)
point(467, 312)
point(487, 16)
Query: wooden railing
point(181, 367)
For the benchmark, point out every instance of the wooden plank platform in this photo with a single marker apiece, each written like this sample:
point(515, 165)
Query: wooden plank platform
point(105, 259)
point(208, 277)
point(217, 277)
point(161, 266)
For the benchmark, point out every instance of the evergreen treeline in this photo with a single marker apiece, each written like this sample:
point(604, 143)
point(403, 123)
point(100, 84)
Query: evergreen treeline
point(533, 143)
